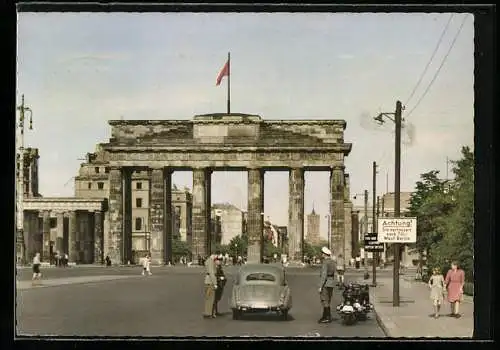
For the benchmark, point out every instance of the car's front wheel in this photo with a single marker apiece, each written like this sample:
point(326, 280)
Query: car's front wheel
point(236, 314)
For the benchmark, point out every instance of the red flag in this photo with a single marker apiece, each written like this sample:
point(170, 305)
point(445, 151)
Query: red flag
point(223, 73)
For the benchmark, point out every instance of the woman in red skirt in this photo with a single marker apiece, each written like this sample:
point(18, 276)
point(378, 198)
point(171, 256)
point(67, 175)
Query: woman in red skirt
point(455, 279)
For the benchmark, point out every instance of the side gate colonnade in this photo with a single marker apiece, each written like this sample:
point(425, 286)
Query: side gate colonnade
point(78, 230)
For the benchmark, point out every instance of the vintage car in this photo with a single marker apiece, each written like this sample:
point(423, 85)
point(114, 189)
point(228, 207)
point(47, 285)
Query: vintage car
point(261, 288)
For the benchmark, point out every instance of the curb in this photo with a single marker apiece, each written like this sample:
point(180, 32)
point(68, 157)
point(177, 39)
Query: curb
point(381, 323)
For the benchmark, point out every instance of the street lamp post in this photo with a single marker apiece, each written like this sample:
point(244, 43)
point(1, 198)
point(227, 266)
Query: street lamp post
point(20, 176)
point(397, 189)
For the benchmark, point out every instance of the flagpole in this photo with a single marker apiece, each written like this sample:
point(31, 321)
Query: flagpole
point(228, 83)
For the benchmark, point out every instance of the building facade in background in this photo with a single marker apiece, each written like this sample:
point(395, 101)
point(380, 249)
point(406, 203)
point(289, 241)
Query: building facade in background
point(229, 219)
point(92, 181)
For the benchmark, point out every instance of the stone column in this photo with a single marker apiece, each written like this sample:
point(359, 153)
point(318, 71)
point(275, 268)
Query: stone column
point(46, 236)
point(337, 209)
point(157, 205)
point(347, 230)
point(60, 233)
point(98, 237)
point(200, 223)
point(114, 249)
point(255, 218)
point(168, 229)
point(88, 240)
point(355, 233)
point(296, 185)
point(208, 205)
point(29, 232)
point(127, 215)
point(72, 239)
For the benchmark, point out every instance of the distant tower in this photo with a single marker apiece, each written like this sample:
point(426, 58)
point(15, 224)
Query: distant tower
point(313, 221)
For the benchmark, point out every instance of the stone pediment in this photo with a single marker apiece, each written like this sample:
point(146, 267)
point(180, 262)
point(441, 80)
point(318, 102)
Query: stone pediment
point(226, 131)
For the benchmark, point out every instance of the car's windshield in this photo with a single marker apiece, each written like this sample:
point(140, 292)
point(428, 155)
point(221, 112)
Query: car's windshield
point(261, 276)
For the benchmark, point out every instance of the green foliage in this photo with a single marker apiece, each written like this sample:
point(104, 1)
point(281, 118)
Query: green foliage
point(311, 250)
point(445, 214)
point(238, 246)
point(221, 248)
point(180, 248)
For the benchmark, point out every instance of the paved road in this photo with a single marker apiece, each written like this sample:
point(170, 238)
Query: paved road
point(169, 303)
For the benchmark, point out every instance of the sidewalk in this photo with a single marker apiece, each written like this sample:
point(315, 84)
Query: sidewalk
point(413, 318)
point(21, 285)
point(49, 266)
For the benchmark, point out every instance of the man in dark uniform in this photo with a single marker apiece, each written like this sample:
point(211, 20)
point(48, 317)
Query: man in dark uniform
point(326, 284)
point(221, 282)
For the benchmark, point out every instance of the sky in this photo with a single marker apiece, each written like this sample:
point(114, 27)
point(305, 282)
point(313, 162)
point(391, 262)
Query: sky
point(79, 70)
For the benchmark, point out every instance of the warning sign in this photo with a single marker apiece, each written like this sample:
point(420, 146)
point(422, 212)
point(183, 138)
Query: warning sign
point(397, 230)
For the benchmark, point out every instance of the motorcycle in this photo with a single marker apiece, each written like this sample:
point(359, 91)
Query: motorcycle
point(356, 303)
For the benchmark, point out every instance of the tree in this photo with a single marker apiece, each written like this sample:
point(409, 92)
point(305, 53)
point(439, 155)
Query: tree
point(427, 202)
point(311, 250)
point(238, 245)
point(457, 242)
point(445, 216)
point(180, 248)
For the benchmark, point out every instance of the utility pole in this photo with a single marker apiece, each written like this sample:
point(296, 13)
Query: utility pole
point(397, 199)
point(20, 176)
point(366, 215)
point(374, 224)
point(397, 191)
point(382, 213)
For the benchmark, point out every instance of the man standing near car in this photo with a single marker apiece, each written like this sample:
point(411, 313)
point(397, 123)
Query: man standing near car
point(210, 285)
point(326, 284)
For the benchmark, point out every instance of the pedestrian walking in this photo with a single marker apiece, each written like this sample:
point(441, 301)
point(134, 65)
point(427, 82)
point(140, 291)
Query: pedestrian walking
point(436, 285)
point(455, 279)
point(210, 286)
point(221, 283)
point(146, 265)
point(37, 275)
point(326, 284)
point(358, 262)
point(340, 270)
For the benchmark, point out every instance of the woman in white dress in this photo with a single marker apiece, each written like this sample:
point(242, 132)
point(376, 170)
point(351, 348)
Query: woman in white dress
point(37, 275)
point(436, 285)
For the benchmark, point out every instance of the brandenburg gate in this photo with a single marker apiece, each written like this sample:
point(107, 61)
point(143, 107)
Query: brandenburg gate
point(221, 142)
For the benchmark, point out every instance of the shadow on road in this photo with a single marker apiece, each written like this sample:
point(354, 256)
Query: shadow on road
point(265, 318)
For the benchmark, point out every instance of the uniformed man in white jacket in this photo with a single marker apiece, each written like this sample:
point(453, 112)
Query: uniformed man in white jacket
point(210, 286)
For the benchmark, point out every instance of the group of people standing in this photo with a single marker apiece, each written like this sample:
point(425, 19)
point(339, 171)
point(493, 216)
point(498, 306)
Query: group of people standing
point(215, 281)
point(453, 284)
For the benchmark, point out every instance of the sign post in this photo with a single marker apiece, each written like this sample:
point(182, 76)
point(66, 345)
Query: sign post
point(397, 230)
point(372, 244)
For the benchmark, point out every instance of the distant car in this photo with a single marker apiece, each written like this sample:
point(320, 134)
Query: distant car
point(261, 288)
